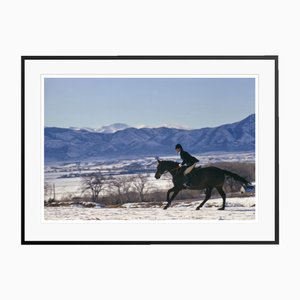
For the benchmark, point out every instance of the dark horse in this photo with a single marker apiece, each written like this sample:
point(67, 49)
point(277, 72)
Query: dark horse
point(200, 178)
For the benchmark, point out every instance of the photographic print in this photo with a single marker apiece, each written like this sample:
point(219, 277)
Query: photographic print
point(152, 142)
point(121, 148)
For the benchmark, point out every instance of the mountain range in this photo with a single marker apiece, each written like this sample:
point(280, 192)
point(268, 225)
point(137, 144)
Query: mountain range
point(119, 140)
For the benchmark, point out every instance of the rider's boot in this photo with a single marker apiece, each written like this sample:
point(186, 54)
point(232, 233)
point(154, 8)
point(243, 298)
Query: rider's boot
point(187, 180)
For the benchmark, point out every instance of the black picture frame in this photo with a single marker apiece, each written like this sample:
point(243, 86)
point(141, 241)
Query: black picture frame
point(25, 241)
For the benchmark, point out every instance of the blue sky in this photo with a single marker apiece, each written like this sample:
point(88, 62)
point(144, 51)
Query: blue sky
point(191, 102)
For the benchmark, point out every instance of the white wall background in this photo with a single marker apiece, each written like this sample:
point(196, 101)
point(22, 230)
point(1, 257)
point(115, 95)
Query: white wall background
point(142, 28)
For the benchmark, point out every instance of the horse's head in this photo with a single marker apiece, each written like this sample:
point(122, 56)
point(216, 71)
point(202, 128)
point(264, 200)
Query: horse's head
point(164, 166)
point(160, 169)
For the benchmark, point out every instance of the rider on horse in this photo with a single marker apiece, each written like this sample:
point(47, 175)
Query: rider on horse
point(188, 160)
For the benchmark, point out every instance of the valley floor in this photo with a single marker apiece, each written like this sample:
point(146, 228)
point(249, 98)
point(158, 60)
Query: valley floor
point(236, 209)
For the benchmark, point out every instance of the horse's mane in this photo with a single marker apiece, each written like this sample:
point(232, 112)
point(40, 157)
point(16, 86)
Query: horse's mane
point(169, 162)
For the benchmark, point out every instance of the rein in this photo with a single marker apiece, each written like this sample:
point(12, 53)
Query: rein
point(177, 168)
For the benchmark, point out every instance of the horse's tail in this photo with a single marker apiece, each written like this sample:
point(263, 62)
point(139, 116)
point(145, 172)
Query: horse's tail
point(236, 177)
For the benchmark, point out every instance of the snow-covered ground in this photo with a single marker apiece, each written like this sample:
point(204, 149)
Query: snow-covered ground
point(236, 209)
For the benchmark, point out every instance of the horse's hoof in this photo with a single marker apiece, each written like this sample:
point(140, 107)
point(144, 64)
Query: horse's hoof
point(197, 208)
point(221, 208)
point(166, 206)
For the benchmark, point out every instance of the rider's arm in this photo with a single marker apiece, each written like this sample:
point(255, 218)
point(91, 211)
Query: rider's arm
point(183, 162)
point(184, 156)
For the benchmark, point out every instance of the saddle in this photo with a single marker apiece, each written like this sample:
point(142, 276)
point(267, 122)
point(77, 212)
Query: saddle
point(187, 170)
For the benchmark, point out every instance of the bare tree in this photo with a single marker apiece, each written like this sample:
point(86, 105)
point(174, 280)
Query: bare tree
point(94, 183)
point(141, 185)
point(49, 191)
point(122, 185)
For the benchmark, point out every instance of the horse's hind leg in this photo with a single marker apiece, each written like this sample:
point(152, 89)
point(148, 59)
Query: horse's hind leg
point(207, 196)
point(223, 195)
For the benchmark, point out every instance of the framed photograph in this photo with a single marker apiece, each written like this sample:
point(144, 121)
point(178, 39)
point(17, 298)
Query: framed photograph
point(149, 150)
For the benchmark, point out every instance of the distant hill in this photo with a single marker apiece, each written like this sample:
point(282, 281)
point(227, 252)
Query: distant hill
point(65, 144)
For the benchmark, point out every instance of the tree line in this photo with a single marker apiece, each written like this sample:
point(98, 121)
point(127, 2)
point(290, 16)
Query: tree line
point(97, 187)
point(100, 188)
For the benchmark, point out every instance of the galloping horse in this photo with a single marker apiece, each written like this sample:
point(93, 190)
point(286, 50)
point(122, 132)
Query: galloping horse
point(200, 178)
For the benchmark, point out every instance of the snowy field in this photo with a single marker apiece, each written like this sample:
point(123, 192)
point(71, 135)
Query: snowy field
point(67, 179)
point(236, 209)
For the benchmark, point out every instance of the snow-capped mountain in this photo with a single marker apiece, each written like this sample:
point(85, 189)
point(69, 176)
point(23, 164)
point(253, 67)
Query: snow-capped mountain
point(112, 128)
point(104, 129)
point(163, 125)
point(121, 126)
point(65, 144)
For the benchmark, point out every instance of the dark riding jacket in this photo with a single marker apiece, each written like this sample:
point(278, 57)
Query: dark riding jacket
point(187, 159)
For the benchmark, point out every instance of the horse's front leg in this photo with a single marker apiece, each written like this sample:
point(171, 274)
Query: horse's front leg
point(175, 191)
